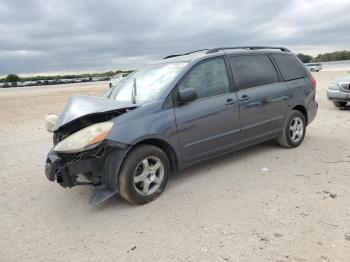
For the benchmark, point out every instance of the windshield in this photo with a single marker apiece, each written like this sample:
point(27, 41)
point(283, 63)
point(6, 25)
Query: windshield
point(145, 85)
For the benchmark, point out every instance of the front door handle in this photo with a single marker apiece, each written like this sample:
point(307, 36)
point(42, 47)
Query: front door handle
point(244, 98)
point(230, 101)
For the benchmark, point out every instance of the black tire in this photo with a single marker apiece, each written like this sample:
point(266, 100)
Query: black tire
point(125, 181)
point(285, 139)
point(312, 70)
point(339, 104)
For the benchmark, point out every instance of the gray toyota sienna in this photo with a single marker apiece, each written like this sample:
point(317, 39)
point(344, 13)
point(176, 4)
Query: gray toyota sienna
point(185, 109)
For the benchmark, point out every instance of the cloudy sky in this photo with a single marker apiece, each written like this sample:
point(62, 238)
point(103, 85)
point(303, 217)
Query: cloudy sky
point(47, 36)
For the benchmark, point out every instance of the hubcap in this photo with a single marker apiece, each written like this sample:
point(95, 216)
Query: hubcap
point(148, 175)
point(296, 129)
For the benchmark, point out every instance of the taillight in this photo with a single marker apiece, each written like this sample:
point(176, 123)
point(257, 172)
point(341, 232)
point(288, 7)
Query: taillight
point(313, 81)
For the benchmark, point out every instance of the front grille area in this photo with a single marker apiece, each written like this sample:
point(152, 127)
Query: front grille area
point(345, 86)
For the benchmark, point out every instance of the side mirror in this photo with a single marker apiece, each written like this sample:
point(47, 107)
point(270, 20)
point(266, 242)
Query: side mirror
point(187, 95)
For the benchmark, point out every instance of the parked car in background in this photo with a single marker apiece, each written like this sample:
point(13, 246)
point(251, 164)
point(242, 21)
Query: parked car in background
point(115, 80)
point(314, 67)
point(339, 91)
point(186, 109)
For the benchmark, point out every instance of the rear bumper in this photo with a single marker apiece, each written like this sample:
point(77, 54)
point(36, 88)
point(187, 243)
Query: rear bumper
point(338, 95)
point(312, 111)
point(98, 166)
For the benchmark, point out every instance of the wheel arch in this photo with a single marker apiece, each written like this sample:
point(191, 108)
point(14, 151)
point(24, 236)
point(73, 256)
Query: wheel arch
point(303, 110)
point(167, 148)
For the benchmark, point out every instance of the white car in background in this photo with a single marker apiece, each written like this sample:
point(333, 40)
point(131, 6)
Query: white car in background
point(339, 91)
point(314, 67)
point(115, 80)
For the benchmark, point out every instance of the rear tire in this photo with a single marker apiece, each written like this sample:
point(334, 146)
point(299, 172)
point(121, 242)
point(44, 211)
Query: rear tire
point(339, 104)
point(144, 174)
point(312, 70)
point(294, 130)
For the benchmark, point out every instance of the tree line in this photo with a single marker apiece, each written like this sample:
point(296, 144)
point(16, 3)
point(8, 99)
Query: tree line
point(333, 56)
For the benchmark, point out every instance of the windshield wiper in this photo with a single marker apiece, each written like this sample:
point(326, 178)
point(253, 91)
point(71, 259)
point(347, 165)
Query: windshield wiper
point(134, 92)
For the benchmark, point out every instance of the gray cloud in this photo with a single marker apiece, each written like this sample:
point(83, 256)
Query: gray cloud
point(39, 36)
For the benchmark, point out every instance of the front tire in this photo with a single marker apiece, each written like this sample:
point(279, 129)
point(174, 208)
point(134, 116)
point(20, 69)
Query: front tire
point(339, 104)
point(294, 130)
point(144, 174)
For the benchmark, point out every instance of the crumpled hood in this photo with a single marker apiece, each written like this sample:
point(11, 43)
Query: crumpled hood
point(79, 106)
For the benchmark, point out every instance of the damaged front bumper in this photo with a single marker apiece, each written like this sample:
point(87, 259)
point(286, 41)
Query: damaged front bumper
point(98, 167)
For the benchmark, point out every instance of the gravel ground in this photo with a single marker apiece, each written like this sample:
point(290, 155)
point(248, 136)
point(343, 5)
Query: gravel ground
point(264, 203)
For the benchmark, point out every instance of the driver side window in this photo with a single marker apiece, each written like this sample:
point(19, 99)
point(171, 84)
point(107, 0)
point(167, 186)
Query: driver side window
point(208, 78)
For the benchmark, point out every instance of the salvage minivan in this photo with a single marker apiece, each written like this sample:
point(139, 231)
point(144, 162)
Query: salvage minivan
point(183, 110)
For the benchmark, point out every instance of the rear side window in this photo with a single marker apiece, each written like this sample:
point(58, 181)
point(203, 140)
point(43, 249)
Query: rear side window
point(289, 66)
point(253, 70)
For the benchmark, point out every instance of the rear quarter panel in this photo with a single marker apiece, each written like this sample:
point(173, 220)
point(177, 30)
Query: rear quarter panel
point(303, 93)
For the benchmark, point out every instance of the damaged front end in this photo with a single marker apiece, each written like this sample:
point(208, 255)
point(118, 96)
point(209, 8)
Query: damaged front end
point(77, 168)
point(97, 166)
point(82, 154)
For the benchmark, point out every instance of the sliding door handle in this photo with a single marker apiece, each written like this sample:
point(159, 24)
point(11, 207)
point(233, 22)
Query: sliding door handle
point(244, 98)
point(230, 101)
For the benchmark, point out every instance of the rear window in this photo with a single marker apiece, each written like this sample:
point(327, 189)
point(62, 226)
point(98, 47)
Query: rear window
point(253, 70)
point(289, 66)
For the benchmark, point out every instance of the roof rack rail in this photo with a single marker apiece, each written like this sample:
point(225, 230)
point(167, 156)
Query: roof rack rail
point(214, 50)
point(170, 56)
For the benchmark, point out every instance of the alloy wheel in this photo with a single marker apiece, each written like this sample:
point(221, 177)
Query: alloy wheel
point(296, 129)
point(148, 175)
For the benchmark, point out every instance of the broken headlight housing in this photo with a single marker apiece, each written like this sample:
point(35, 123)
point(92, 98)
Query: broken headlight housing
point(85, 138)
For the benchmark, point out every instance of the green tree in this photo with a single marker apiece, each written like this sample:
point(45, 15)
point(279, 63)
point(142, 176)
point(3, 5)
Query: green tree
point(304, 58)
point(110, 73)
point(12, 78)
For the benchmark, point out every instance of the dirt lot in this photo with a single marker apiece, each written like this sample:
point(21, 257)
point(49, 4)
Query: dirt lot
point(264, 203)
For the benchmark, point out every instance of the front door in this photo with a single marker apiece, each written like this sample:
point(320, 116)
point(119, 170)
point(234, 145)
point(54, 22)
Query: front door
point(210, 124)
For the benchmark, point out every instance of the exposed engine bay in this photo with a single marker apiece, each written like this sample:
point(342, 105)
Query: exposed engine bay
point(83, 122)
